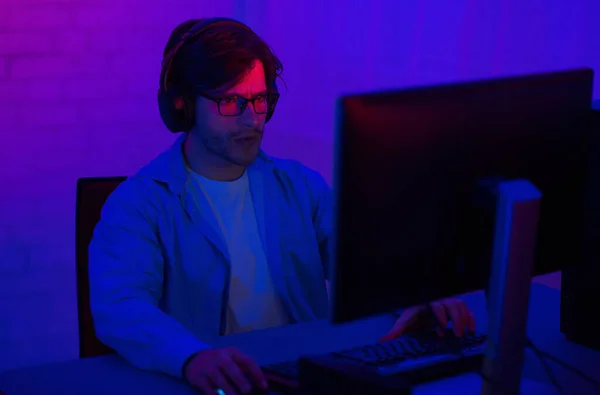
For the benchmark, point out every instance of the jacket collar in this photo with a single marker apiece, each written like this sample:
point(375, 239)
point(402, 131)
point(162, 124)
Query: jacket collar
point(170, 167)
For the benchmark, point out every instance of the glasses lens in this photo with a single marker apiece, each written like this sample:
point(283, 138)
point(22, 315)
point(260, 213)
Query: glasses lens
point(261, 105)
point(230, 107)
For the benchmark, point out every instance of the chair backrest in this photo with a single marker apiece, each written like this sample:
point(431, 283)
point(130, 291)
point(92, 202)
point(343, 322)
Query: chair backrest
point(91, 195)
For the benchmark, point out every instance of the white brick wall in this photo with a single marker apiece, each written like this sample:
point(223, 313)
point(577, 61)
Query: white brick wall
point(26, 43)
point(3, 69)
point(41, 16)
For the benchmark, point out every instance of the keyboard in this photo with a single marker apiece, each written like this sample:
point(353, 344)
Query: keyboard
point(417, 357)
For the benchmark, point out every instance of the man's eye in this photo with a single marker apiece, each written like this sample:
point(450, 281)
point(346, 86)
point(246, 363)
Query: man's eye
point(230, 99)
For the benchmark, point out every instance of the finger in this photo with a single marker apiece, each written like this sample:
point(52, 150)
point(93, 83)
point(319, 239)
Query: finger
point(251, 367)
point(471, 319)
point(219, 381)
point(458, 315)
point(440, 315)
point(235, 375)
point(203, 385)
point(397, 330)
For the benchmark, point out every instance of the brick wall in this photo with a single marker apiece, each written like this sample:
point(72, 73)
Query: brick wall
point(78, 81)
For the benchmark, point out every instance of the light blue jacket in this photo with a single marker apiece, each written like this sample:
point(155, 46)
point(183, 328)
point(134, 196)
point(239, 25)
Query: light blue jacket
point(159, 271)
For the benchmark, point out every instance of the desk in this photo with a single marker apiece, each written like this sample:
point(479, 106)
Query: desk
point(112, 375)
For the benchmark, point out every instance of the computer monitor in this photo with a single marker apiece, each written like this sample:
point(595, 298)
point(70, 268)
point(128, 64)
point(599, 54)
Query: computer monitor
point(410, 227)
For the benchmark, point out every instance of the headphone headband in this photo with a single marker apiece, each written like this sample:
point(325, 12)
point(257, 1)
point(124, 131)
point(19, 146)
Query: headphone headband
point(198, 28)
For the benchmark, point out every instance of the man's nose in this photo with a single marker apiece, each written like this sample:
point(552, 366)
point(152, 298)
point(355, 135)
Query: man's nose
point(250, 118)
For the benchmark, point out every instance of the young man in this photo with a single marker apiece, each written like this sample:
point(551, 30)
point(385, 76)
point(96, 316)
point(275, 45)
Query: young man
point(215, 237)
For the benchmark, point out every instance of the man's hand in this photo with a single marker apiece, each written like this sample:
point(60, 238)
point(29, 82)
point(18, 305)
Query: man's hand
point(418, 317)
point(226, 369)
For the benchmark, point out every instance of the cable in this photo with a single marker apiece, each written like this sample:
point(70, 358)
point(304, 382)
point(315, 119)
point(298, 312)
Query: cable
point(570, 368)
point(542, 355)
point(546, 366)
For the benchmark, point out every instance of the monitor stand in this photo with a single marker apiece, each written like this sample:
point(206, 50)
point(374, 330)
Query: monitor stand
point(515, 235)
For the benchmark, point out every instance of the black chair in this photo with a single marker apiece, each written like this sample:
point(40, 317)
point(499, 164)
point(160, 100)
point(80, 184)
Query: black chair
point(91, 194)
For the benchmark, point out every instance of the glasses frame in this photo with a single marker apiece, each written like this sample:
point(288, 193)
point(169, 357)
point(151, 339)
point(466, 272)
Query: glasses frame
point(242, 103)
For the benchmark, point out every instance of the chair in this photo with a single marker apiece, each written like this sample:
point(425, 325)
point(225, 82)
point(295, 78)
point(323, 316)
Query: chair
point(91, 195)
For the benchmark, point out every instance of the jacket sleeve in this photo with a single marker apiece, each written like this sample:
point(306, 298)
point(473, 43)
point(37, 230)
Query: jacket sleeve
point(322, 198)
point(126, 278)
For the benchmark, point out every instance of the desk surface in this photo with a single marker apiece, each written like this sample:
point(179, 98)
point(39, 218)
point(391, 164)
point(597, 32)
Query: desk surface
point(112, 375)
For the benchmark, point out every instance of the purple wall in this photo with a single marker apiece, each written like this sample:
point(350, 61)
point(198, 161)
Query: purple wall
point(78, 82)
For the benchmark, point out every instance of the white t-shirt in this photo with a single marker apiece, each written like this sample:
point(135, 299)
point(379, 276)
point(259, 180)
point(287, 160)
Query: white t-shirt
point(253, 301)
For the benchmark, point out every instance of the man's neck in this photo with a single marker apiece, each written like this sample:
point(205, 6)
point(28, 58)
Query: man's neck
point(209, 165)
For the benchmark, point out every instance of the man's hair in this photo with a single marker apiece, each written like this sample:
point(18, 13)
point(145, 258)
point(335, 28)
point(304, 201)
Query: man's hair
point(219, 58)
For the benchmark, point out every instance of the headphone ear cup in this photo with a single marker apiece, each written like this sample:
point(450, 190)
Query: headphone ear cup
point(176, 111)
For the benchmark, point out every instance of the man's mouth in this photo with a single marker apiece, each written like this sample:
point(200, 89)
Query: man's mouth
point(248, 138)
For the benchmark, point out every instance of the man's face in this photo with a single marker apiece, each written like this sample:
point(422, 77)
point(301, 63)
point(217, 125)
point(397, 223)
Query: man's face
point(234, 139)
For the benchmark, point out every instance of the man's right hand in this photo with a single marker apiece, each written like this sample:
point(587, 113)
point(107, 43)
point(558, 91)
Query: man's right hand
point(227, 369)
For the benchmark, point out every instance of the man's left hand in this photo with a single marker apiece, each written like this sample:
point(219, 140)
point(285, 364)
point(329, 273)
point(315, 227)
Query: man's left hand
point(419, 317)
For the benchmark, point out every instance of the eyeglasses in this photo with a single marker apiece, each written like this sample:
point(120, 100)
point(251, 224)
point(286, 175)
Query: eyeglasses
point(234, 106)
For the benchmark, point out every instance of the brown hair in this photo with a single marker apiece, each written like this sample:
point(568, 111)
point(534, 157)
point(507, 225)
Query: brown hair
point(218, 58)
